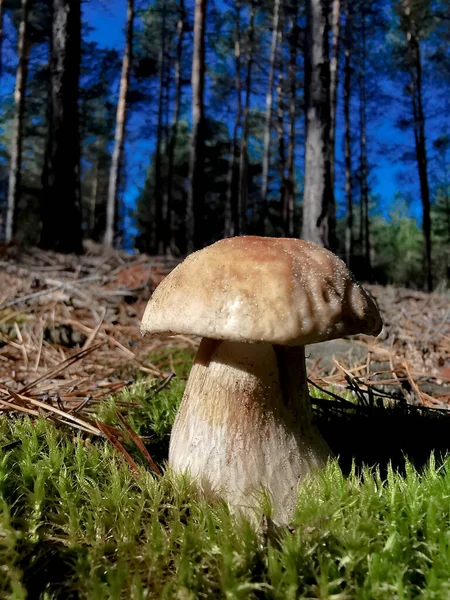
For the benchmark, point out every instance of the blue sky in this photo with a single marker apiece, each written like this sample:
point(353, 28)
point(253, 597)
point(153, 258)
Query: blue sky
point(107, 17)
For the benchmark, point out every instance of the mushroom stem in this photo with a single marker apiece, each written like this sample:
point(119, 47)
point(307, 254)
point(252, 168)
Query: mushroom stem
point(245, 423)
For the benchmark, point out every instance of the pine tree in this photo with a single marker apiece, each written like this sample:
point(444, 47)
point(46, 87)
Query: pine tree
point(230, 223)
point(289, 190)
point(243, 151)
point(61, 210)
point(268, 115)
point(196, 190)
point(120, 129)
point(15, 168)
point(168, 218)
point(318, 198)
point(348, 136)
point(415, 17)
point(334, 78)
point(2, 35)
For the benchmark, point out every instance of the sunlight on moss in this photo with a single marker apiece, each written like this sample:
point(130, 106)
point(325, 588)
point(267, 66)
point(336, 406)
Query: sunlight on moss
point(75, 523)
point(344, 394)
point(178, 360)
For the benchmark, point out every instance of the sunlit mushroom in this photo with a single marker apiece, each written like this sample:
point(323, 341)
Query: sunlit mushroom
point(245, 421)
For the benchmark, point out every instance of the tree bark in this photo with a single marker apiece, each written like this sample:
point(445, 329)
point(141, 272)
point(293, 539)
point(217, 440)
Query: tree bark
point(160, 210)
point(415, 69)
point(318, 199)
point(15, 167)
point(2, 35)
point(280, 126)
point(334, 79)
point(268, 115)
point(196, 190)
point(93, 200)
point(230, 225)
point(169, 239)
point(288, 210)
point(243, 156)
point(364, 208)
point(348, 138)
point(61, 212)
point(114, 175)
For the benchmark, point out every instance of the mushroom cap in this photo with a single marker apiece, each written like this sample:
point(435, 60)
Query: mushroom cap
point(259, 289)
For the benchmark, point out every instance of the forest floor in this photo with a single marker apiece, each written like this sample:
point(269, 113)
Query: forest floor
point(69, 329)
point(86, 408)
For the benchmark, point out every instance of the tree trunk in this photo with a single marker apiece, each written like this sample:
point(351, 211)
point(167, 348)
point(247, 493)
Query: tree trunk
point(364, 209)
point(318, 200)
point(2, 35)
point(268, 116)
point(422, 166)
point(243, 156)
point(196, 190)
point(93, 202)
point(114, 175)
point(348, 138)
point(160, 210)
point(61, 214)
point(169, 238)
point(15, 167)
point(334, 77)
point(230, 225)
point(280, 126)
point(288, 210)
point(415, 69)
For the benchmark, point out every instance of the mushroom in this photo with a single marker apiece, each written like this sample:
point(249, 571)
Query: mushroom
point(245, 420)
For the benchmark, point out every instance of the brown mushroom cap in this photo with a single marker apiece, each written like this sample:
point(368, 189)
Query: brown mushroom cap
point(258, 289)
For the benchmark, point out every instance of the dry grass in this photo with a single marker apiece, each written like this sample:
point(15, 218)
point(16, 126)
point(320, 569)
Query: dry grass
point(69, 337)
point(409, 360)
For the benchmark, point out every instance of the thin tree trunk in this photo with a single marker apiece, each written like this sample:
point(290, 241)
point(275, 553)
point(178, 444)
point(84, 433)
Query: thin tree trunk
point(196, 190)
point(422, 165)
point(362, 179)
point(2, 35)
point(230, 225)
point(93, 202)
point(348, 138)
point(288, 210)
point(114, 175)
point(280, 126)
point(334, 77)
point(61, 211)
point(415, 62)
point(268, 116)
point(364, 209)
point(243, 157)
point(160, 211)
point(363, 231)
point(318, 200)
point(15, 167)
point(169, 238)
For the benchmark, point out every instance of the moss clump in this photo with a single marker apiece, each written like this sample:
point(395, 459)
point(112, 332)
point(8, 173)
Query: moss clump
point(74, 523)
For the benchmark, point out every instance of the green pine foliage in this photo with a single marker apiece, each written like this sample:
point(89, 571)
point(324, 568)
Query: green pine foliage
point(397, 242)
point(441, 233)
point(215, 173)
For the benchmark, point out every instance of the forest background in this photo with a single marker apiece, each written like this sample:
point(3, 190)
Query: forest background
point(327, 121)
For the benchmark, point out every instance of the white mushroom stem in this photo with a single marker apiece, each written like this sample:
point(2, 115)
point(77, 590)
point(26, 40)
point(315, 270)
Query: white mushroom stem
point(245, 424)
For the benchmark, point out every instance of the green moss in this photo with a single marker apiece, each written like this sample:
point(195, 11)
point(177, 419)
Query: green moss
point(74, 522)
point(180, 359)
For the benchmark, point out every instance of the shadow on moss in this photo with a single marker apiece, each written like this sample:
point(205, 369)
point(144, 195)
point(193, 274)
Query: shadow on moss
point(374, 434)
